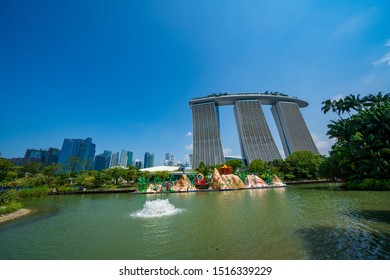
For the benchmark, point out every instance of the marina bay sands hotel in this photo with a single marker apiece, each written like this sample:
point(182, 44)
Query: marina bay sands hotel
point(256, 141)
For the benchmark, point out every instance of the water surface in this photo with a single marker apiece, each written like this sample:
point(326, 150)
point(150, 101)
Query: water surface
point(300, 222)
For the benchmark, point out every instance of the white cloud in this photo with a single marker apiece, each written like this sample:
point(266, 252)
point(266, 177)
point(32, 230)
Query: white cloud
point(227, 152)
point(189, 134)
point(385, 58)
point(189, 147)
point(323, 143)
point(282, 154)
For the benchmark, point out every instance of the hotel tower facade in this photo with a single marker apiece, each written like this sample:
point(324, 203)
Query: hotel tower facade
point(256, 141)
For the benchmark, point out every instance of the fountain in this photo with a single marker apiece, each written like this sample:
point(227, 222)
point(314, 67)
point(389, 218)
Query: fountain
point(156, 208)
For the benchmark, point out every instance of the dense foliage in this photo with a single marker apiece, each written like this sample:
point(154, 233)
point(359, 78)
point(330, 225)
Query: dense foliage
point(362, 148)
point(9, 201)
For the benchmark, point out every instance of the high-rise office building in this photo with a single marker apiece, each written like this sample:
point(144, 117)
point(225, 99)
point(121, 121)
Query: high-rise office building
point(138, 164)
point(102, 161)
point(114, 159)
point(77, 154)
point(123, 158)
point(148, 160)
point(36, 155)
point(190, 158)
point(129, 158)
point(169, 160)
point(53, 155)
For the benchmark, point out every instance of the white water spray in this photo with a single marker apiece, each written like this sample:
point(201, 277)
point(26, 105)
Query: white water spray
point(156, 208)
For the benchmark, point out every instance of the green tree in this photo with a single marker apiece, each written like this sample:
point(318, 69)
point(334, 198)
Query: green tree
point(131, 174)
point(32, 168)
point(329, 167)
point(204, 169)
point(362, 148)
point(257, 166)
point(50, 170)
point(162, 175)
point(235, 164)
point(145, 174)
point(303, 165)
point(114, 173)
point(5, 166)
point(7, 197)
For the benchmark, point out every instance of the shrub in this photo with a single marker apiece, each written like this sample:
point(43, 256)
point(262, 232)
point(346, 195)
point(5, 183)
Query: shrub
point(10, 207)
point(9, 196)
point(33, 192)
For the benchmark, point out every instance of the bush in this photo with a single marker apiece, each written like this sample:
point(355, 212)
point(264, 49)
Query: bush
point(33, 192)
point(67, 190)
point(6, 197)
point(10, 207)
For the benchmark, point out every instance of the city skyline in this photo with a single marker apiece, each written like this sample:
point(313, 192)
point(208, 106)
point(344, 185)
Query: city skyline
point(122, 73)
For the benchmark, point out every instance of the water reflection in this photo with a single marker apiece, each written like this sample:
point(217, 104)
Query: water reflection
point(324, 243)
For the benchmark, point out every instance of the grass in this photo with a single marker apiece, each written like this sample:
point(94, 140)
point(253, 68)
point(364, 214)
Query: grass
point(10, 207)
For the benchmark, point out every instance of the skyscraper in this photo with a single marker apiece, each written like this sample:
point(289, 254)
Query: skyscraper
point(148, 160)
point(53, 155)
point(138, 164)
point(292, 128)
point(77, 154)
point(129, 158)
point(169, 160)
point(102, 161)
point(255, 138)
point(123, 158)
point(36, 155)
point(206, 135)
point(114, 159)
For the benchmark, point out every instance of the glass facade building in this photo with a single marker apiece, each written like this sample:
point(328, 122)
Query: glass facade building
point(102, 161)
point(77, 154)
point(53, 155)
point(114, 159)
point(148, 160)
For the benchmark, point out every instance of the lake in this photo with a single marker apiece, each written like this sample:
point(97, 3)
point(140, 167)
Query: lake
point(299, 222)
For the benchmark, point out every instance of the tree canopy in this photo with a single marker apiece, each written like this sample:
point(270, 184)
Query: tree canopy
point(362, 148)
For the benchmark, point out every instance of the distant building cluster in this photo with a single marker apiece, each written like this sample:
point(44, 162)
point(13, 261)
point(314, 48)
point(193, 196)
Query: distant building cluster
point(79, 154)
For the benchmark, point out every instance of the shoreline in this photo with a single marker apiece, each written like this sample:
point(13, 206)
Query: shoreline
point(15, 215)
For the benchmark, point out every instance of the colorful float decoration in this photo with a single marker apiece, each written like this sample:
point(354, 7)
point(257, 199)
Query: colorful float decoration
point(225, 169)
point(200, 180)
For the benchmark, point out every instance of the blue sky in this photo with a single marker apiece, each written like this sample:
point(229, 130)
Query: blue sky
point(123, 72)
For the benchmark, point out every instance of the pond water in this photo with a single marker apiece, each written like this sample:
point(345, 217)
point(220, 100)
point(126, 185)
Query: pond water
point(299, 222)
